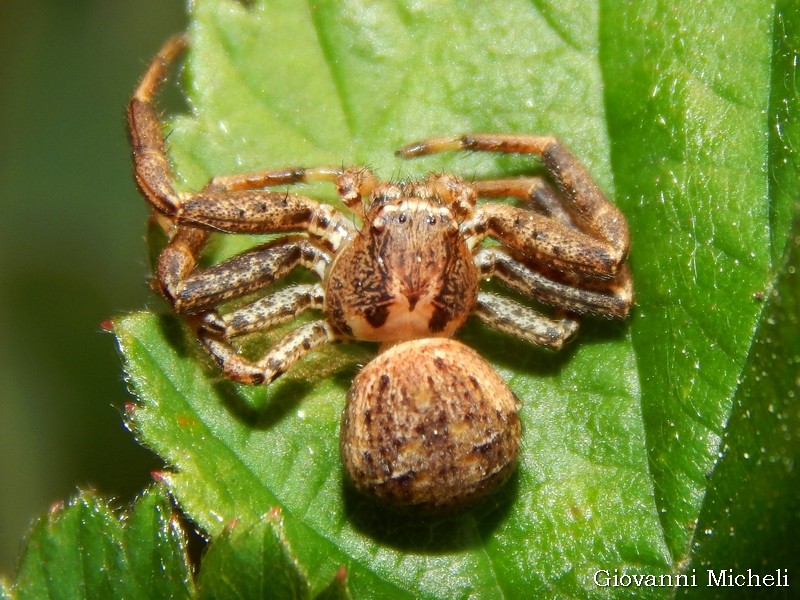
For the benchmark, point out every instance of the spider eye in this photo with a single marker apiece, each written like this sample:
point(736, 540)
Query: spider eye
point(430, 220)
point(402, 218)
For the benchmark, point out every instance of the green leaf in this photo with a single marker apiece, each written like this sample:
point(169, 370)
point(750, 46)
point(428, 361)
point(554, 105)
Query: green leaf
point(750, 514)
point(337, 589)
point(682, 112)
point(255, 561)
point(711, 197)
point(84, 550)
point(251, 562)
point(155, 549)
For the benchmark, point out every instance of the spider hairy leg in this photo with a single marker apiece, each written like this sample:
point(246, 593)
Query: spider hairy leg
point(280, 307)
point(276, 361)
point(352, 184)
point(273, 177)
point(612, 299)
point(157, 69)
point(152, 170)
point(535, 192)
point(524, 323)
point(238, 276)
point(584, 201)
point(178, 259)
point(482, 142)
point(227, 203)
point(542, 239)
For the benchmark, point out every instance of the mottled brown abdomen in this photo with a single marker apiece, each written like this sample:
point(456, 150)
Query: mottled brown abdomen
point(429, 423)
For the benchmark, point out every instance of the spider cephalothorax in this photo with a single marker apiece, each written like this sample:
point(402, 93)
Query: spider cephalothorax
point(408, 273)
point(411, 268)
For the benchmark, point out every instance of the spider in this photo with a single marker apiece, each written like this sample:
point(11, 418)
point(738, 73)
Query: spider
point(410, 270)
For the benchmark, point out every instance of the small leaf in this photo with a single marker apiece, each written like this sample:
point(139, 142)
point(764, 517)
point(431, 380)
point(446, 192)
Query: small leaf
point(155, 548)
point(252, 562)
point(83, 550)
point(337, 589)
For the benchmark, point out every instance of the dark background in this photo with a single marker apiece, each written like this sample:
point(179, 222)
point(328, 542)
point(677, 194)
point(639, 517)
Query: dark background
point(72, 251)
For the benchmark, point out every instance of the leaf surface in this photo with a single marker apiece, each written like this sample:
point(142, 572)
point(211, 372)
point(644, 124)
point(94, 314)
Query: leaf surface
point(680, 112)
point(251, 562)
point(85, 550)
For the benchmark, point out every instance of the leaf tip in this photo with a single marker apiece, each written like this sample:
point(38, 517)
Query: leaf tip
point(275, 515)
point(230, 526)
point(341, 574)
point(55, 509)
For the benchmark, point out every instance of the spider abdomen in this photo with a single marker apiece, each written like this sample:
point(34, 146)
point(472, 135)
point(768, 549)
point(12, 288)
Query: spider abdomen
point(429, 423)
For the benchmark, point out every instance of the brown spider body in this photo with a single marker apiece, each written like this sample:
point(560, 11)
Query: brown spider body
point(409, 271)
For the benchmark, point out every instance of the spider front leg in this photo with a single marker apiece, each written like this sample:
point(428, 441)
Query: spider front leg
point(534, 192)
point(352, 184)
point(229, 203)
point(600, 245)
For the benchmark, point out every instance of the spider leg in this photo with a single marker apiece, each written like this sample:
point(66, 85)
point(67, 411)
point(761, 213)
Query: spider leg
point(272, 177)
point(227, 203)
point(192, 291)
point(523, 322)
point(151, 167)
point(276, 361)
point(199, 292)
point(535, 192)
point(266, 312)
point(598, 251)
point(178, 259)
point(541, 239)
point(274, 309)
point(352, 183)
point(611, 299)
